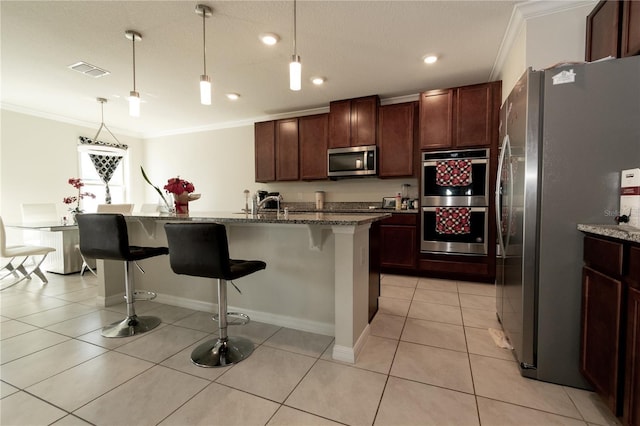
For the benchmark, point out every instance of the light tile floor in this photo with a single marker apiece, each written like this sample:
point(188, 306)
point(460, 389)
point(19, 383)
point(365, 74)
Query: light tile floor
point(429, 361)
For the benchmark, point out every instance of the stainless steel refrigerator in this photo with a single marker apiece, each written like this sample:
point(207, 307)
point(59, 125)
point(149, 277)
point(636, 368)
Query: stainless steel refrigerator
point(566, 133)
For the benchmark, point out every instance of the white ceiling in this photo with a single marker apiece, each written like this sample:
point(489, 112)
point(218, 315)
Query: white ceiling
point(361, 47)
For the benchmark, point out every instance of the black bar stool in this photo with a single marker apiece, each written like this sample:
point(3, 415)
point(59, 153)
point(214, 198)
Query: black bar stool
point(202, 250)
point(104, 236)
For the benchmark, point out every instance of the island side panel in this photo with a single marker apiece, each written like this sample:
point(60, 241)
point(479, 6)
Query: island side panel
point(351, 290)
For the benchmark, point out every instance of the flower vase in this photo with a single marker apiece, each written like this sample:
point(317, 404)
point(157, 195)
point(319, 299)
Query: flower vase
point(181, 203)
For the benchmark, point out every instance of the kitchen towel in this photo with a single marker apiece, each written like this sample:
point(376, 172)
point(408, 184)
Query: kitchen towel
point(453, 173)
point(453, 220)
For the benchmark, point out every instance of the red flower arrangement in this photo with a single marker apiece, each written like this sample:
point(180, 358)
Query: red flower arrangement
point(78, 184)
point(179, 186)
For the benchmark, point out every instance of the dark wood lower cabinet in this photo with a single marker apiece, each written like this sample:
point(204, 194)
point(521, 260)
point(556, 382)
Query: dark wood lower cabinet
point(631, 408)
point(610, 344)
point(399, 243)
point(600, 353)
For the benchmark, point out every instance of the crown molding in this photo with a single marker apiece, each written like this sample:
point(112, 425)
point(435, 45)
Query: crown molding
point(62, 119)
point(520, 14)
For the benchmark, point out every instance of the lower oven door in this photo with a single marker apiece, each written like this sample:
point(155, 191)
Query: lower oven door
point(454, 230)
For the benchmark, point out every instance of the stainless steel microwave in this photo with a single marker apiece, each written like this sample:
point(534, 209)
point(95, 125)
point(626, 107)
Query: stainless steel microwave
point(353, 161)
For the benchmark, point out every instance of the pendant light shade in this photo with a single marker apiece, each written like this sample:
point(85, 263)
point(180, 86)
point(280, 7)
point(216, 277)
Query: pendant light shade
point(295, 66)
point(205, 80)
point(134, 96)
point(295, 73)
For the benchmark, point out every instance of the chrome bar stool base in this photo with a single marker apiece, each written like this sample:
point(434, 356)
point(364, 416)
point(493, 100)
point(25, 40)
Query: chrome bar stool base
point(130, 326)
point(221, 352)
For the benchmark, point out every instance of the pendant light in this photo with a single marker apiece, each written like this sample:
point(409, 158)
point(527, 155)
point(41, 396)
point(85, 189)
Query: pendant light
point(95, 138)
point(295, 67)
point(134, 97)
point(205, 81)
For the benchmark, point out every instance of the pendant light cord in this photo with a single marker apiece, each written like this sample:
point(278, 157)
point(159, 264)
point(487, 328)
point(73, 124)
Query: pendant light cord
point(295, 50)
point(204, 40)
point(133, 40)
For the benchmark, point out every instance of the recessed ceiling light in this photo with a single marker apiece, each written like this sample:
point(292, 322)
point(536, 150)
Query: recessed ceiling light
point(430, 59)
point(318, 81)
point(269, 38)
point(232, 96)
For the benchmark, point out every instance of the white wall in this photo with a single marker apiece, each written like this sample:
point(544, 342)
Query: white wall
point(541, 39)
point(37, 158)
point(220, 163)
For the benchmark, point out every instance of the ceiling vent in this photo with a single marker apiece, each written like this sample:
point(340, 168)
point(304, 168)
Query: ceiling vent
point(88, 69)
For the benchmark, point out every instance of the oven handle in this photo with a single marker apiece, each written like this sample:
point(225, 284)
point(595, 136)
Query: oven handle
point(506, 144)
point(471, 209)
point(432, 163)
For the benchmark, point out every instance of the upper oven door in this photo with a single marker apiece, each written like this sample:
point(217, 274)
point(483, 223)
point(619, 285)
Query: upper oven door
point(455, 178)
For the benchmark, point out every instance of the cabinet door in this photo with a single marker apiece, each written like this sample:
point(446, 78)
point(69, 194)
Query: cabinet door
point(602, 31)
point(631, 411)
point(600, 351)
point(364, 121)
point(265, 151)
point(313, 134)
point(395, 140)
point(630, 28)
point(287, 149)
point(398, 246)
point(340, 124)
point(474, 116)
point(436, 119)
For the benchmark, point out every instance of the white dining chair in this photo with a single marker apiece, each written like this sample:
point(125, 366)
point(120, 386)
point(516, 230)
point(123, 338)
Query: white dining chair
point(19, 254)
point(37, 213)
point(124, 209)
point(149, 208)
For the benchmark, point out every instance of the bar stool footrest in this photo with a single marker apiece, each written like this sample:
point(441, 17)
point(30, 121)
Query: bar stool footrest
point(143, 295)
point(235, 318)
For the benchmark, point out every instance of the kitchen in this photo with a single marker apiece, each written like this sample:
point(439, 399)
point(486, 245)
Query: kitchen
point(222, 169)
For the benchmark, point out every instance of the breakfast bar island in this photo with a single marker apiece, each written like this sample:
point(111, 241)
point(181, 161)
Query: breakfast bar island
point(316, 279)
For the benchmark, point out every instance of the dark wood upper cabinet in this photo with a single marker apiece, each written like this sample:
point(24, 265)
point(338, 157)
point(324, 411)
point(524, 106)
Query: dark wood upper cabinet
point(474, 115)
point(461, 117)
point(265, 154)
point(613, 29)
point(287, 162)
point(353, 122)
point(313, 132)
point(630, 45)
point(396, 145)
point(603, 31)
point(436, 119)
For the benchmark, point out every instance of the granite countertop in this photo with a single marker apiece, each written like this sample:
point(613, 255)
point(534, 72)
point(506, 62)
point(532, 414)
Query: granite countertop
point(620, 232)
point(330, 219)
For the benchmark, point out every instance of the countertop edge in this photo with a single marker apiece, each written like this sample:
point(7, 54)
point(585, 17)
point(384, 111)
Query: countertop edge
point(325, 219)
point(619, 232)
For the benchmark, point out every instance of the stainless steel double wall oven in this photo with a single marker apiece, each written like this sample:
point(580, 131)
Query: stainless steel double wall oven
point(455, 202)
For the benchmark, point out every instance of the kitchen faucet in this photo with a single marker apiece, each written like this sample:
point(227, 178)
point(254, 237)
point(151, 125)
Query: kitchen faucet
point(257, 205)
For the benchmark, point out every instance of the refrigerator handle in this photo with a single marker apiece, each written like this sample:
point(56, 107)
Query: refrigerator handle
point(498, 197)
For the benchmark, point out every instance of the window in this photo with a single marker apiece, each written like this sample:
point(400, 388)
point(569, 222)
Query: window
point(106, 159)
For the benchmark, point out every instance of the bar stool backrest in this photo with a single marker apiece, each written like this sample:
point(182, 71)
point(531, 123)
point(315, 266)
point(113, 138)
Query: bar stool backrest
point(199, 249)
point(104, 236)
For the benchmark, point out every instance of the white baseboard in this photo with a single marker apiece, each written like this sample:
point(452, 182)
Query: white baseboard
point(326, 329)
point(347, 354)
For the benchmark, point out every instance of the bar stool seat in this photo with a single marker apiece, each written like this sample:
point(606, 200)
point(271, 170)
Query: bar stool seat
point(105, 236)
point(202, 250)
